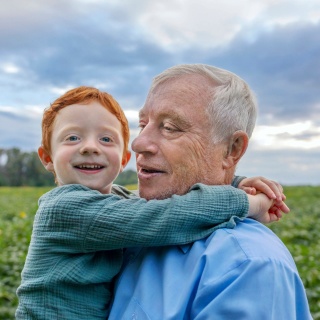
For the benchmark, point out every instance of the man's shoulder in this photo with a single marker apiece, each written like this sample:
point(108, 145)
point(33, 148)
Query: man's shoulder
point(252, 240)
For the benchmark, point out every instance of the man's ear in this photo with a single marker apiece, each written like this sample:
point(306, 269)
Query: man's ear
point(45, 159)
point(125, 160)
point(237, 147)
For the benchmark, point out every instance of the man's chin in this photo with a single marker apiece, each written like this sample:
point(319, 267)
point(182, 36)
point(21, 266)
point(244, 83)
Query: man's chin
point(149, 194)
point(157, 191)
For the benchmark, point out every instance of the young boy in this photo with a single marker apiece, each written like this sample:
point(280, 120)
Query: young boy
point(68, 271)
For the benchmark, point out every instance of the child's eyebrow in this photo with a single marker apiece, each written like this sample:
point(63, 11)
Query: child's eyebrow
point(68, 128)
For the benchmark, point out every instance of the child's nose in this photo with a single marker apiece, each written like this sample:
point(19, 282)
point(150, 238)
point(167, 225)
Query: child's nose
point(89, 147)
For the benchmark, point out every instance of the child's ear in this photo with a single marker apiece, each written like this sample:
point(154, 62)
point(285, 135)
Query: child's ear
point(45, 159)
point(125, 160)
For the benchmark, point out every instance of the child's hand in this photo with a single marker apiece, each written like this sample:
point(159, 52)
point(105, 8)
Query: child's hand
point(273, 190)
point(264, 209)
point(270, 188)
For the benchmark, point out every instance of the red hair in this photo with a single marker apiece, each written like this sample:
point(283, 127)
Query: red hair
point(82, 95)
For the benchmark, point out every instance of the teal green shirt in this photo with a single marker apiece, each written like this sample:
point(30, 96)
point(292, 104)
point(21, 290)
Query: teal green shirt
point(78, 235)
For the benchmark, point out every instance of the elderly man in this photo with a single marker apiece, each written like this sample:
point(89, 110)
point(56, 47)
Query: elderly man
point(195, 127)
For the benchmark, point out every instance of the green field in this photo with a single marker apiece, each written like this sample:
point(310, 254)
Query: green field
point(299, 231)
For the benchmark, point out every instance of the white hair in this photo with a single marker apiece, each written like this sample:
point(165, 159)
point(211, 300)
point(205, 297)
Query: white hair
point(232, 105)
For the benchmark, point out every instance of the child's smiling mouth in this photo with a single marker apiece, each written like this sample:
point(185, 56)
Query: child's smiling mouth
point(89, 167)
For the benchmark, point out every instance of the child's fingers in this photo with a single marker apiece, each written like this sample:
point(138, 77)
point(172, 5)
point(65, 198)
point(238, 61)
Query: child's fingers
point(250, 190)
point(266, 188)
point(275, 187)
point(282, 206)
point(276, 211)
point(273, 217)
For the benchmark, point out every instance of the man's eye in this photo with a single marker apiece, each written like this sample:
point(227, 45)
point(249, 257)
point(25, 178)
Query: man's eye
point(72, 138)
point(141, 127)
point(168, 128)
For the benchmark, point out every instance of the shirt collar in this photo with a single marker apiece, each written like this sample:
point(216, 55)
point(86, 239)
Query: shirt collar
point(185, 248)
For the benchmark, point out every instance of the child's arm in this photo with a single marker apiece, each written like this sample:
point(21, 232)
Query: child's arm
point(84, 220)
point(251, 186)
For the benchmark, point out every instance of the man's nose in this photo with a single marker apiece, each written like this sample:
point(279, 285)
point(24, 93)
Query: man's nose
point(146, 141)
point(90, 146)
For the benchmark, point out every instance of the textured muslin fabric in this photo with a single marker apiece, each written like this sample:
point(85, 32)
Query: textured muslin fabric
point(78, 236)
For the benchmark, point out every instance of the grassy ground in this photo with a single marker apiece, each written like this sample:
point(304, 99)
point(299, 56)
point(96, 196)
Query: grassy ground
point(299, 231)
point(17, 209)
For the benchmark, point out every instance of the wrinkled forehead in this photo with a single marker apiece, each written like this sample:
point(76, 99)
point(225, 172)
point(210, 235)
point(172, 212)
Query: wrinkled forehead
point(178, 94)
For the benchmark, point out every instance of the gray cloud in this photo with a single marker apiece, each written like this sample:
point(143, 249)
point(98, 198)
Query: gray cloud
point(282, 66)
point(58, 44)
point(304, 136)
point(290, 167)
point(19, 131)
point(70, 49)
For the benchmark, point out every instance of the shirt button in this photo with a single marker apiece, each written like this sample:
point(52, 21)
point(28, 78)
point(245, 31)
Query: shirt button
point(134, 317)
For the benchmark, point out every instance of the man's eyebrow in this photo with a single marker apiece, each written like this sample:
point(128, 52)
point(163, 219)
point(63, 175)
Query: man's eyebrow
point(141, 113)
point(176, 118)
point(171, 115)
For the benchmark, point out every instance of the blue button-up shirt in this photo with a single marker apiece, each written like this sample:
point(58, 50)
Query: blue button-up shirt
point(241, 273)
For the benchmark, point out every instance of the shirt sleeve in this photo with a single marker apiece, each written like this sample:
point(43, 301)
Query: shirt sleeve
point(256, 289)
point(236, 180)
point(83, 220)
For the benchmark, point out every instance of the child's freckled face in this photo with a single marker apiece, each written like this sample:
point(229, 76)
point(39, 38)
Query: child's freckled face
point(87, 146)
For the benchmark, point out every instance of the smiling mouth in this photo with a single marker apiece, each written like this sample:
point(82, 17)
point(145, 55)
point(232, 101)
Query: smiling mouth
point(89, 167)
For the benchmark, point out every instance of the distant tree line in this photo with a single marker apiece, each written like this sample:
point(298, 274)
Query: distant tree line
point(127, 177)
point(19, 168)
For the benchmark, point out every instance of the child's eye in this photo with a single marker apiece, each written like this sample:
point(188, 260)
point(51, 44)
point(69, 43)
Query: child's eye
point(106, 139)
point(73, 138)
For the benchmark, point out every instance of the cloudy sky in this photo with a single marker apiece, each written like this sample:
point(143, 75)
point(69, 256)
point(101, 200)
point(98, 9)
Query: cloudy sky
point(47, 47)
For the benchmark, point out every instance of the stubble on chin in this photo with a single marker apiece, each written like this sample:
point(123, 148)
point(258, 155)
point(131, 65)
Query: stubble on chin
point(162, 193)
point(148, 194)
